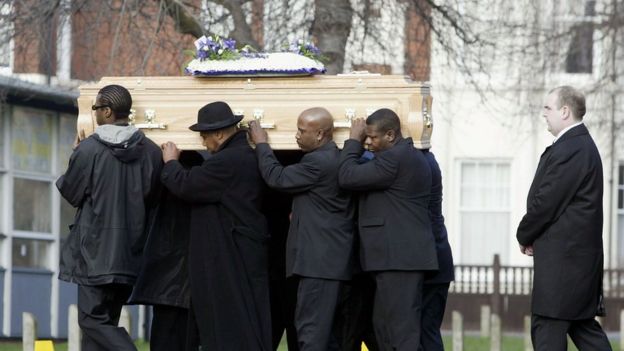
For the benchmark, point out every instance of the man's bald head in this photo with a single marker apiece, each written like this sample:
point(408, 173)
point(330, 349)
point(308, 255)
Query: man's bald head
point(319, 116)
point(315, 128)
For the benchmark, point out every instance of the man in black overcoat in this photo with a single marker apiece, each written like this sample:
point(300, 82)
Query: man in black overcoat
point(562, 230)
point(163, 279)
point(436, 286)
point(112, 178)
point(396, 242)
point(228, 245)
point(319, 247)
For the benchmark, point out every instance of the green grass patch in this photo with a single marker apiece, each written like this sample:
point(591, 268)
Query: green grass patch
point(471, 343)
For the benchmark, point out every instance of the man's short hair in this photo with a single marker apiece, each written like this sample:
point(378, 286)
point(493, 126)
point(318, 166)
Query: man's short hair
point(574, 99)
point(384, 120)
point(118, 99)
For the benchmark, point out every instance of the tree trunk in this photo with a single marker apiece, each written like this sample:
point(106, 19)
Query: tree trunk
point(330, 29)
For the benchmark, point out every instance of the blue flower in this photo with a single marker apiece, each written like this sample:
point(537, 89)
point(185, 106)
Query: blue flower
point(229, 44)
point(307, 49)
point(216, 48)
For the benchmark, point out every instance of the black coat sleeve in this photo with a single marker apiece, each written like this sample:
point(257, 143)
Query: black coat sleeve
point(200, 184)
point(295, 178)
point(377, 174)
point(561, 178)
point(74, 184)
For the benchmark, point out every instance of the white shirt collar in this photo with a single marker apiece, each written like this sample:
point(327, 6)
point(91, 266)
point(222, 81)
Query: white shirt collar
point(561, 133)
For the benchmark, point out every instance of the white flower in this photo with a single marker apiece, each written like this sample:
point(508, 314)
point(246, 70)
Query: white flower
point(220, 51)
point(199, 42)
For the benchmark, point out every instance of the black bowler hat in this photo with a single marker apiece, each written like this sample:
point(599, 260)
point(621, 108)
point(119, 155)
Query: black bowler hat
point(214, 116)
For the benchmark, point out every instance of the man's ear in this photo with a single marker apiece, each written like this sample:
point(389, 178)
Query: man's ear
point(565, 112)
point(320, 134)
point(390, 135)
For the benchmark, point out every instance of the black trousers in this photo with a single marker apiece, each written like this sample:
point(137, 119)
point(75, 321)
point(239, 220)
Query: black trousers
point(314, 315)
point(397, 312)
point(434, 304)
point(169, 329)
point(355, 314)
point(283, 294)
point(99, 308)
point(549, 334)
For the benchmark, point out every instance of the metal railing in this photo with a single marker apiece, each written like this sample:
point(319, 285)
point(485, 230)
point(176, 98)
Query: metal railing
point(497, 279)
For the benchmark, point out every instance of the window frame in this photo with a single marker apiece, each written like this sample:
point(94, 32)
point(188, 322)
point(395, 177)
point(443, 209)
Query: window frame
point(462, 209)
point(53, 237)
point(620, 188)
point(570, 22)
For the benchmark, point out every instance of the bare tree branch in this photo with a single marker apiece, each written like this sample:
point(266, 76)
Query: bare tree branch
point(184, 21)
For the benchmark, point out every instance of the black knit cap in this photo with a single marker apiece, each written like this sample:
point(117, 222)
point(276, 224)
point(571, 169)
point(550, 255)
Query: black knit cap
point(214, 116)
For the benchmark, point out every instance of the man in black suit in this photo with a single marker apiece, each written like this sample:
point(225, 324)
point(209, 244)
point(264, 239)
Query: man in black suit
point(396, 242)
point(319, 247)
point(562, 230)
point(436, 286)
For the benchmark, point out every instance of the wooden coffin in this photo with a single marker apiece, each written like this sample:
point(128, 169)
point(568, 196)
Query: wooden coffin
point(164, 107)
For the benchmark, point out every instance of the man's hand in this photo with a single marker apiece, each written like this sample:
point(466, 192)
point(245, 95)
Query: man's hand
point(527, 250)
point(358, 129)
point(80, 136)
point(170, 151)
point(256, 133)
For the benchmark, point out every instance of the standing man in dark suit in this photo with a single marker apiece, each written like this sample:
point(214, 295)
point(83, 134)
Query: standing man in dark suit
point(562, 230)
point(319, 247)
point(396, 242)
point(229, 281)
point(436, 286)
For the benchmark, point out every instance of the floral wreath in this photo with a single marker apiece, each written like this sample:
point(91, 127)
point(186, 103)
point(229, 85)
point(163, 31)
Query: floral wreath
point(218, 48)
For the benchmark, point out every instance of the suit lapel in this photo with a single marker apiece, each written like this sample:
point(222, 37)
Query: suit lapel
point(539, 173)
point(544, 159)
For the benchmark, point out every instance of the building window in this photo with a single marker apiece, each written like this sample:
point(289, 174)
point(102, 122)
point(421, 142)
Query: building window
point(3, 139)
point(484, 210)
point(32, 203)
point(6, 31)
point(620, 213)
point(31, 145)
point(30, 253)
point(580, 54)
point(39, 144)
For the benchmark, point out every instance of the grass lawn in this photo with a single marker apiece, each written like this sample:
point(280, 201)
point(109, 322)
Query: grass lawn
point(471, 343)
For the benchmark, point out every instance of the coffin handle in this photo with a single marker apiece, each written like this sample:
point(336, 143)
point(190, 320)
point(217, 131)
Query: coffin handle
point(349, 116)
point(150, 117)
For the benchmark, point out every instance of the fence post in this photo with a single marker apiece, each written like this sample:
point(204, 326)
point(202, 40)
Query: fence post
point(528, 343)
point(29, 331)
point(458, 331)
point(486, 314)
point(496, 293)
point(73, 329)
point(496, 334)
point(621, 330)
point(124, 319)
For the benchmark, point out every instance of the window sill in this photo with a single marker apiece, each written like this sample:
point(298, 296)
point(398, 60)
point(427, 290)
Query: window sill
point(38, 271)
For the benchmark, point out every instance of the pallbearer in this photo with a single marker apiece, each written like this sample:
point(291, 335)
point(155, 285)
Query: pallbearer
point(228, 244)
point(319, 249)
point(112, 179)
point(396, 242)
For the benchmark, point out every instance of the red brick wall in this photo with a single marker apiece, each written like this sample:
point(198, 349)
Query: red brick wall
point(417, 41)
point(35, 38)
point(135, 40)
